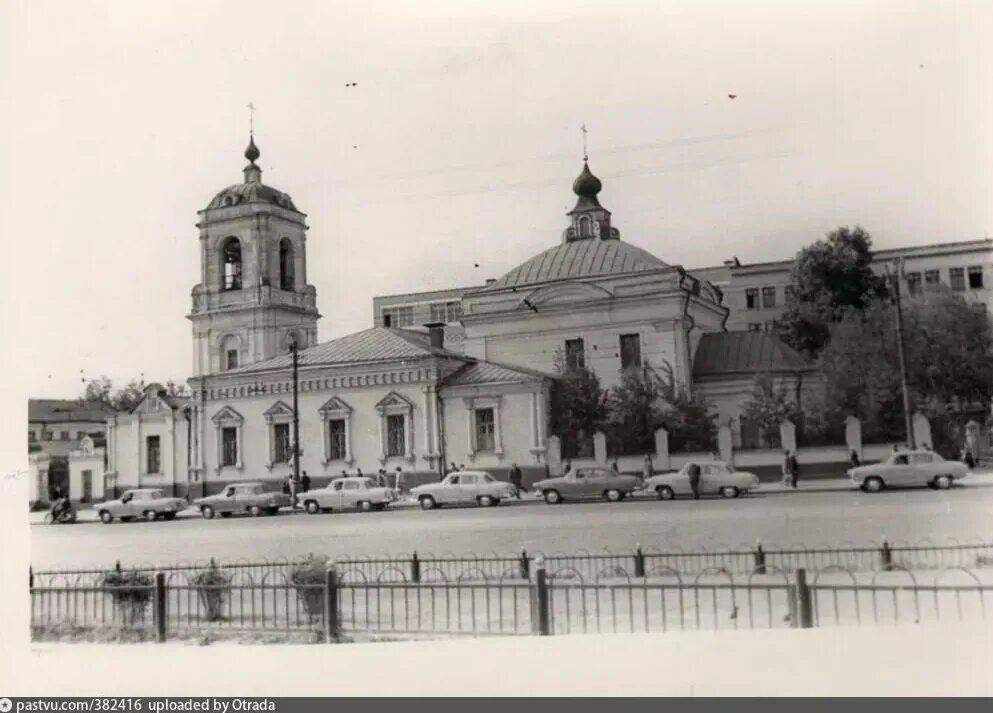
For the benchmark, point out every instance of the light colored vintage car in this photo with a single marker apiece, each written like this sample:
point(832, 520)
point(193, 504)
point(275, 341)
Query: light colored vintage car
point(347, 494)
point(251, 498)
point(908, 469)
point(462, 488)
point(145, 503)
point(716, 478)
point(586, 483)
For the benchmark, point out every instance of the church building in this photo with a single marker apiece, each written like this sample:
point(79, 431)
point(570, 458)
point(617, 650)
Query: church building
point(402, 396)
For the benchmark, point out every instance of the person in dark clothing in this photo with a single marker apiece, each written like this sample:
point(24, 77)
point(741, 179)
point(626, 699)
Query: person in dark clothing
point(854, 459)
point(792, 469)
point(694, 473)
point(286, 487)
point(305, 482)
point(517, 478)
point(968, 458)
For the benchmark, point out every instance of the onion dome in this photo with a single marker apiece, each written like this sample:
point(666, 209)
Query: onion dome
point(586, 184)
point(252, 153)
point(252, 190)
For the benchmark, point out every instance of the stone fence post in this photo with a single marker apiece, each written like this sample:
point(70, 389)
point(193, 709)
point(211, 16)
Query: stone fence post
point(922, 430)
point(853, 435)
point(662, 461)
point(600, 449)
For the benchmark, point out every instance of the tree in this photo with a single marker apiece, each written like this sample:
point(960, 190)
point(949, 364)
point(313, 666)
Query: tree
point(768, 407)
point(579, 408)
point(949, 349)
point(102, 390)
point(830, 278)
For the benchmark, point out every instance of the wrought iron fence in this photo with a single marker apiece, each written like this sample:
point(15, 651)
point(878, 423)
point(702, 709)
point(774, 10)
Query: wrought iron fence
point(421, 567)
point(551, 602)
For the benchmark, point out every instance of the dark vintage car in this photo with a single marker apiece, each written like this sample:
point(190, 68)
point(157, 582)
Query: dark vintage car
point(587, 483)
point(250, 498)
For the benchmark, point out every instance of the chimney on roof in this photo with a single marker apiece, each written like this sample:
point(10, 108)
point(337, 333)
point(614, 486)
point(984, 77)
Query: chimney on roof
point(490, 281)
point(733, 262)
point(436, 330)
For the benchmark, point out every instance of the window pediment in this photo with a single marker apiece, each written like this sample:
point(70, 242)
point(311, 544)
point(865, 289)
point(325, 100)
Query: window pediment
point(564, 294)
point(335, 408)
point(279, 411)
point(394, 403)
point(227, 416)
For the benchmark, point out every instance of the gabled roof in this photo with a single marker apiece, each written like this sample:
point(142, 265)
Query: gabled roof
point(484, 372)
point(59, 410)
point(729, 353)
point(376, 344)
point(578, 259)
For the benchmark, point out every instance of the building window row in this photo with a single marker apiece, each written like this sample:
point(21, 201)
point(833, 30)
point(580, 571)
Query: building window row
point(959, 279)
point(447, 312)
point(630, 352)
point(398, 316)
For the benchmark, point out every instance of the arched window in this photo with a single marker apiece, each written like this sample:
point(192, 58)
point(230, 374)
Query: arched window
point(286, 281)
point(230, 352)
point(585, 226)
point(231, 264)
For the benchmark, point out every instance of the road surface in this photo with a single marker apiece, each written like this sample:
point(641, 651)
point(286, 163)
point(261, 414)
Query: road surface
point(795, 519)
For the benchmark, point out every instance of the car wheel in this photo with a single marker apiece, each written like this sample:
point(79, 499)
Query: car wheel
point(495, 502)
point(312, 507)
point(872, 485)
point(208, 512)
point(255, 511)
point(484, 500)
point(729, 491)
point(552, 497)
point(665, 492)
point(427, 502)
point(365, 506)
point(105, 517)
point(150, 515)
point(169, 516)
point(613, 495)
point(943, 482)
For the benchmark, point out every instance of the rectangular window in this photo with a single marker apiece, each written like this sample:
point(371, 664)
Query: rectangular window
point(975, 277)
point(232, 359)
point(152, 454)
point(485, 433)
point(768, 297)
point(753, 327)
point(787, 292)
point(752, 298)
point(575, 353)
point(956, 277)
point(229, 446)
point(398, 316)
point(932, 277)
point(396, 438)
point(914, 283)
point(31, 435)
point(447, 312)
point(87, 485)
point(46, 435)
point(338, 449)
point(281, 450)
point(630, 351)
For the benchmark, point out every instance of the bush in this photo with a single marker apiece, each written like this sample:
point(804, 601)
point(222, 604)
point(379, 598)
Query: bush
point(308, 578)
point(213, 587)
point(131, 592)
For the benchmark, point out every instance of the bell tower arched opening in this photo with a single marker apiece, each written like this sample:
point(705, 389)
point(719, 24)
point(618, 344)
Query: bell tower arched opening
point(287, 278)
point(231, 264)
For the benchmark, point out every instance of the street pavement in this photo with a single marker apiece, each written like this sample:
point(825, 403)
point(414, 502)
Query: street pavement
point(818, 513)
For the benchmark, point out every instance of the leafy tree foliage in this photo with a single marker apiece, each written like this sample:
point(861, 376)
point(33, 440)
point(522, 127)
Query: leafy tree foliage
point(770, 405)
point(830, 278)
point(127, 397)
point(579, 408)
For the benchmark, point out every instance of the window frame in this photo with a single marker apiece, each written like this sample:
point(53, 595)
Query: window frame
point(228, 418)
point(279, 414)
point(573, 348)
point(636, 339)
point(485, 431)
point(396, 404)
point(970, 272)
point(335, 409)
point(233, 279)
point(915, 282)
point(956, 279)
point(752, 297)
point(396, 438)
point(769, 297)
point(157, 440)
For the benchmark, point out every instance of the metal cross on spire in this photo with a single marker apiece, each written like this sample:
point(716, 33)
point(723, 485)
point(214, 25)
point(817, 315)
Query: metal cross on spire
point(583, 129)
point(251, 119)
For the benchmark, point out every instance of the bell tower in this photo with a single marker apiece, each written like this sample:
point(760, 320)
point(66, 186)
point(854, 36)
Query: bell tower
point(253, 296)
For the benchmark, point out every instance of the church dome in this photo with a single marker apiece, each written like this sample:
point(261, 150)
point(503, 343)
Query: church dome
point(578, 259)
point(586, 184)
point(252, 190)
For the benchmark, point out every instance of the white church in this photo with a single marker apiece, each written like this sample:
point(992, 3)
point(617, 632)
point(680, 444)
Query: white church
point(397, 398)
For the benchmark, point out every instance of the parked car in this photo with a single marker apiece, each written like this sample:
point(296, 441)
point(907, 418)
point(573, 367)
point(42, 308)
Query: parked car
point(908, 469)
point(462, 488)
point(251, 498)
point(716, 478)
point(587, 482)
point(348, 494)
point(146, 503)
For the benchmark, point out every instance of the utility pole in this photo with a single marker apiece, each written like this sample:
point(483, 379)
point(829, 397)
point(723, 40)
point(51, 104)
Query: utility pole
point(908, 421)
point(296, 421)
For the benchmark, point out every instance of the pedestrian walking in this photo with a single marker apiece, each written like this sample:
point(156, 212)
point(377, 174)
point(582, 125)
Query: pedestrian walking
point(854, 459)
point(344, 473)
point(286, 487)
point(293, 492)
point(647, 471)
point(452, 467)
point(517, 478)
point(399, 482)
point(694, 474)
point(568, 468)
point(358, 472)
point(304, 482)
point(926, 446)
point(968, 458)
point(614, 469)
point(793, 468)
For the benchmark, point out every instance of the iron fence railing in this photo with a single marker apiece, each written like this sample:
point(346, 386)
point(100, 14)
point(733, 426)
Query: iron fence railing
point(421, 567)
point(550, 602)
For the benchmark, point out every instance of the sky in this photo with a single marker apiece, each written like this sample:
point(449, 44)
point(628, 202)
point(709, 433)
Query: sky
point(458, 146)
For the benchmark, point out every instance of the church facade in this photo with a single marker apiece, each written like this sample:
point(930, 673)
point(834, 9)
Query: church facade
point(400, 397)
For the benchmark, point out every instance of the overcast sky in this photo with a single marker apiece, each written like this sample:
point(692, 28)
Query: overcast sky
point(459, 144)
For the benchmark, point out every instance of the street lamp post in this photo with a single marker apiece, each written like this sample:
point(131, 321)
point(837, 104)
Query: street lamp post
point(908, 421)
point(296, 420)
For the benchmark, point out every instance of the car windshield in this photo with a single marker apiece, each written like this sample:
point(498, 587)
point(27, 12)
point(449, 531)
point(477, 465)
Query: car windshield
point(155, 494)
point(255, 489)
point(488, 478)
